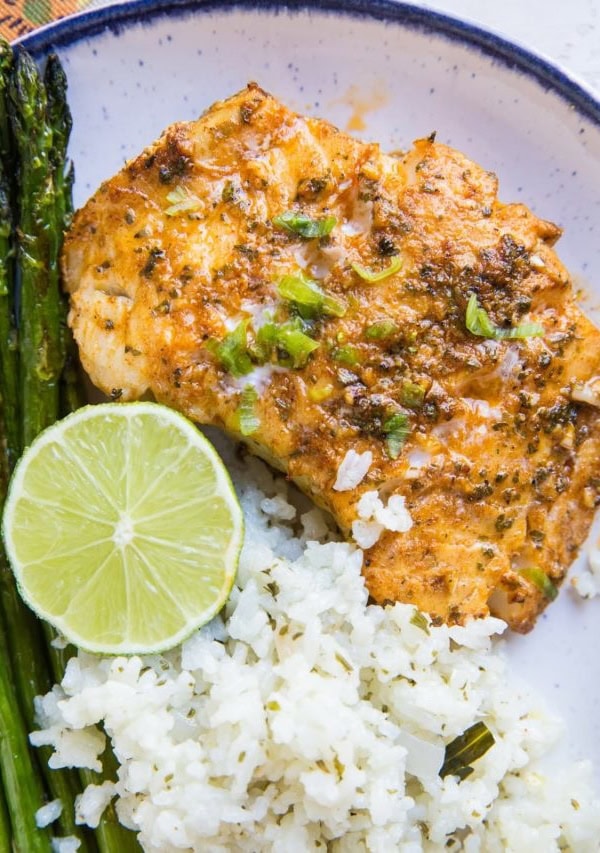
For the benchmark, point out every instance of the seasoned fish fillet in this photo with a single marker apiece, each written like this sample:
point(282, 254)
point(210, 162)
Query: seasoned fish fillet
point(231, 272)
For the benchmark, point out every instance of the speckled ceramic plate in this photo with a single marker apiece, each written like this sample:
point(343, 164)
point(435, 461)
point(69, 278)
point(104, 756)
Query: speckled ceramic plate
point(391, 73)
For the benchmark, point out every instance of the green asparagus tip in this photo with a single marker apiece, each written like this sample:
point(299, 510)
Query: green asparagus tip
point(6, 51)
point(59, 115)
point(27, 89)
point(6, 58)
point(6, 64)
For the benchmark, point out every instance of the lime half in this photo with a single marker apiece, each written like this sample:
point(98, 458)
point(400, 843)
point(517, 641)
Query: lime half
point(123, 528)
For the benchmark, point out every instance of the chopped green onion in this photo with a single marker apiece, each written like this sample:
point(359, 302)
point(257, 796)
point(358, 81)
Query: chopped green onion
point(232, 351)
point(181, 201)
point(306, 293)
point(371, 276)
point(542, 581)
point(249, 422)
point(301, 290)
point(265, 342)
point(297, 345)
point(411, 395)
point(396, 429)
point(238, 356)
point(332, 306)
point(289, 337)
point(295, 222)
point(419, 620)
point(347, 355)
point(478, 323)
point(381, 329)
point(465, 749)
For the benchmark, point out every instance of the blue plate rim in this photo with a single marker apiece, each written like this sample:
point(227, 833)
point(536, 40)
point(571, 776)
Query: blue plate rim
point(114, 18)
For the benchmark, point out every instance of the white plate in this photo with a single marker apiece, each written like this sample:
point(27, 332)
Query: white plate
point(403, 72)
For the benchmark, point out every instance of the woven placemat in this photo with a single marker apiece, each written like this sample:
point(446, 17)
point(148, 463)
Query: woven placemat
point(18, 17)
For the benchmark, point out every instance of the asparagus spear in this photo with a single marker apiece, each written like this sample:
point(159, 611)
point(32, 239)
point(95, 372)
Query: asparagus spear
point(21, 625)
point(59, 119)
point(8, 335)
point(21, 782)
point(41, 310)
point(60, 122)
point(5, 828)
point(17, 764)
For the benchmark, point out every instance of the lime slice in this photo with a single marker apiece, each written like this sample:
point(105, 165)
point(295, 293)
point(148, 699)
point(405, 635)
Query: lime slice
point(123, 528)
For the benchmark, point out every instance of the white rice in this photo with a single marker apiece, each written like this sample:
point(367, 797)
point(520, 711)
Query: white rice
point(306, 719)
point(68, 844)
point(587, 582)
point(47, 814)
point(374, 517)
point(352, 470)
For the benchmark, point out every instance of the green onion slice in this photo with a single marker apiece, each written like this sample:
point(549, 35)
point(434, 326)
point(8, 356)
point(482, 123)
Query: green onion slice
point(419, 620)
point(372, 276)
point(347, 355)
point(396, 429)
point(181, 201)
point(295, 222)
point(249, 422)
point(232, 351)
point(288, 341)
point(542, 581)
point(289, 337)
point(464, 750)
point(412, 395)
point(306, 293)
point(478, 323)
point(265, 341)
point(381, 329)
point(296, 343)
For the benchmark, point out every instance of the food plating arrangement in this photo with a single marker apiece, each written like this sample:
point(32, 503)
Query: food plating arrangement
point(292, 430)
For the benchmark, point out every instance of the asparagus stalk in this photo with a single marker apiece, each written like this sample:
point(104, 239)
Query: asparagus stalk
point(9, 391)
point(72, 392)
point(41, 309)
point(5, 828)
point(6, 63)
point(60, 121)
point(20, 780)
point(10, 722)
point(21, 625)
point(19, 768)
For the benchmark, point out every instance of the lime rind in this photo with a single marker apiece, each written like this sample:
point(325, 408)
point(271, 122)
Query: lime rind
point(115, 594)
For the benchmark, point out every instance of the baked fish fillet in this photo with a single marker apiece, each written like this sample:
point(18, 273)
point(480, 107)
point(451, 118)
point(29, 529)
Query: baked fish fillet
point(230, 272)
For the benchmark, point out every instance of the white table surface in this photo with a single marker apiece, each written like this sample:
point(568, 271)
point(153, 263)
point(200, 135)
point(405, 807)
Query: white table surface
point(565, 31)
